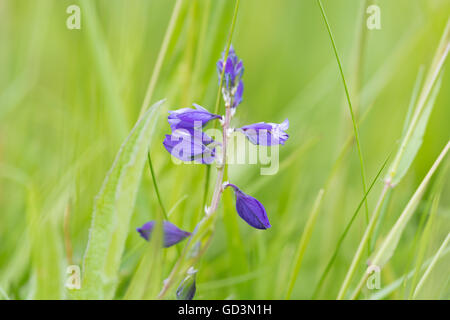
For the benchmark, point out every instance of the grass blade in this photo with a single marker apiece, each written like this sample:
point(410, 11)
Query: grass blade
point(162, 53)
point(304, 240)
point(386, 291)
point(431, 266)
point(387, 248)
point(424, 243)
point(413, 137)
point(355, 126)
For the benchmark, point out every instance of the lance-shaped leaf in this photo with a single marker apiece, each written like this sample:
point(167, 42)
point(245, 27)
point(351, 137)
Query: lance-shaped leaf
point(112, 212)
point(414, 142)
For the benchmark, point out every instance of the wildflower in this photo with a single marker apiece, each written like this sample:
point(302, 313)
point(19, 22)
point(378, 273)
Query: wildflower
point(172, 234)
point(188, 118)
point(187, 288)
point(190, 145)
point(266, 134)
point(250, 209)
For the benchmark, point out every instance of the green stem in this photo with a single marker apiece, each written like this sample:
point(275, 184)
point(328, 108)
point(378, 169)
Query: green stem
point(161, 55)
point(230, 36)
point(355, 126)
point(362, 244)
point(304, 243)
point(431, 266)
point(150, 164)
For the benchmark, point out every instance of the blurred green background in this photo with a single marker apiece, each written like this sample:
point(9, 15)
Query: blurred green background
point(68, 98)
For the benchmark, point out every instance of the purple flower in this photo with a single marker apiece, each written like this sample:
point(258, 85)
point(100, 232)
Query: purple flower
point(190, 145)
point(250, 209)
point(190, 118)
point(186, 290)
point(234, 68)
point(172, 234)
point(266, 134)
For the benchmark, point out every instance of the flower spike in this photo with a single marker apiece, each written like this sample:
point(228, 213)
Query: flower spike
point(234, 69)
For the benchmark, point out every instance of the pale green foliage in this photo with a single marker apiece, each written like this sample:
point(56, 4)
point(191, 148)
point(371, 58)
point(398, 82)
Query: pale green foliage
point(112, 212)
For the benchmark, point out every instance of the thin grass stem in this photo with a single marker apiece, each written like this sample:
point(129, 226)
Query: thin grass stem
point(161, 56)
point(306, 236)
point(355, 126)
point(431, 266)
point(155, 185)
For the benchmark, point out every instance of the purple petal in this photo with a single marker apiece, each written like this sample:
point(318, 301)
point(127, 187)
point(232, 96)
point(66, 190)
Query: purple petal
point(190, 118)
point(234, 69)
point(172, 234)
point(186, 290)
point(190, 145)
point(238, 95)
point(266, 134)
point(250, 209)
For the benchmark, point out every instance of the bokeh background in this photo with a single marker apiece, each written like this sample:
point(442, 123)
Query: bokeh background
point(68, 98)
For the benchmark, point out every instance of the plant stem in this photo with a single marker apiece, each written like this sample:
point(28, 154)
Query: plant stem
point(355, 126)
point(152, 172)
point(304, 243)
point(429, 83)
point(218, 189)
point(430, 267)
point(362, 244)
point(161, 55)
point(217, 104)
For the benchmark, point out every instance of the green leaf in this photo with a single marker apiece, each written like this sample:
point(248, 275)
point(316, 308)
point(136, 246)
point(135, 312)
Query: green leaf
point(112, 212)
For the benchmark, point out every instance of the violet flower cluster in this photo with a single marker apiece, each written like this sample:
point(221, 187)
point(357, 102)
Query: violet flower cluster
point(188, 142)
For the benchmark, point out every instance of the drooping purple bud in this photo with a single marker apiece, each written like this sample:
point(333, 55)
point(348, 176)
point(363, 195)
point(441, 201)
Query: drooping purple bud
point(266, 134)
point(190, 145)
point(250, 209)
point(186, 289)
point(172, 234)
point(188, 118)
